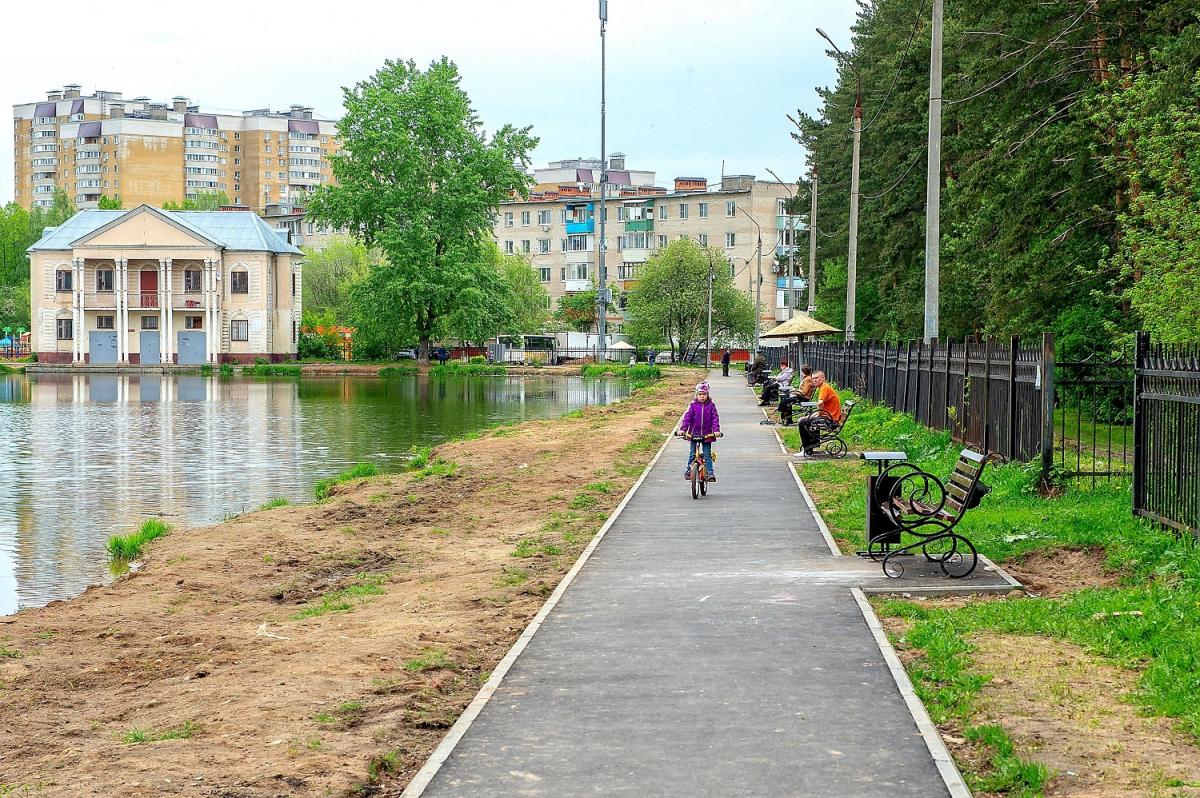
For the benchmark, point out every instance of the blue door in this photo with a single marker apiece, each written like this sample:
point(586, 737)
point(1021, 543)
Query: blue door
point(191, 348)
point(102, 346)
point(148, 346)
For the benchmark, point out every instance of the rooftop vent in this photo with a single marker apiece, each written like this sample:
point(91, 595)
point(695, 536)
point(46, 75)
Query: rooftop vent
point(617, 161)
point(71, 91)
point(179, 104)
point(54, 94)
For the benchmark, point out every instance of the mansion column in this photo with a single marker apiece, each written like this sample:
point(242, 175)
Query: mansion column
point(76, 310)
point(168, 342)
point(122, 318)
point(218, 330)
point(163, 303)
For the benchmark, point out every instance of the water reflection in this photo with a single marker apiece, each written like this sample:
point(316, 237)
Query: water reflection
point(83, 457)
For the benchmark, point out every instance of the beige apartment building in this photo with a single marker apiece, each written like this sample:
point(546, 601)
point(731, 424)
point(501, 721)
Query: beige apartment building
point(156, 152)
point(557, 229)
point(148, 286)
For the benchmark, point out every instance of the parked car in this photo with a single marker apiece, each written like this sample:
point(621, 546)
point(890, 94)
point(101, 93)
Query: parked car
point(406, 354)
point(661, 358)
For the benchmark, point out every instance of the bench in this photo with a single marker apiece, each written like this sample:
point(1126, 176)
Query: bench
point(920, 504)
point(829, 430)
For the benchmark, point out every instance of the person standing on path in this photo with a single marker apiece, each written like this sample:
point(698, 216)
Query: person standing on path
point(830, 411)
point(701, 421)
point(725, 363)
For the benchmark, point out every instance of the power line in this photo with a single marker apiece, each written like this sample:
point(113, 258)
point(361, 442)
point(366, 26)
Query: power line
point(896, 77)
point(900, 179)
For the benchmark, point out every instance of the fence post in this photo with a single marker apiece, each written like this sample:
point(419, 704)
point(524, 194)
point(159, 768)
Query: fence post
point(907, 369)
point(946, 405)
point(1047, 374)
point(1141, 353)
point(1014, 347)
point(967, 398)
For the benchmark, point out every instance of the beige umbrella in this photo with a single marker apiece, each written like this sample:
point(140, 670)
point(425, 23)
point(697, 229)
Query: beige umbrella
point(799, 326)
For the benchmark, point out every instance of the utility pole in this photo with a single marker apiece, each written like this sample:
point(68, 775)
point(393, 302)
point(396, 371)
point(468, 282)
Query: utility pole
point(601, 248)
point(852, 258)
point(708, 345)
point(758, 287)
point(812, 247)
point(933, 185)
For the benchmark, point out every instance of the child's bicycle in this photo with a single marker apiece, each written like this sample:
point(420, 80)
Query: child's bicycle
point(699, 470)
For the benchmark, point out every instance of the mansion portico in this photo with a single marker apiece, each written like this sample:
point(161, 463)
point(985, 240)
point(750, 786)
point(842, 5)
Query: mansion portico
point(149, 286)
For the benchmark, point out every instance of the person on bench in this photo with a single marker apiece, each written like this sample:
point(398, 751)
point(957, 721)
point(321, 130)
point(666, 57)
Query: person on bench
point(802, 394)
point(770, 392)
point(829, 412)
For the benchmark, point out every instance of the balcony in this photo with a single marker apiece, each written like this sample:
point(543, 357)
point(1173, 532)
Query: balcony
point(639, 226)
point(575, 286)
point(580, 228)
point(87, 155)
point(143, 299)
point(100, 300)
point(579, 256)
point(635, 255)
point(798, 283)
point(781, 250)
point(189, 300)
point(783, 222)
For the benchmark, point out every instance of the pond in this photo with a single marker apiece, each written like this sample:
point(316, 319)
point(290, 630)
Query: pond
point(83, 457)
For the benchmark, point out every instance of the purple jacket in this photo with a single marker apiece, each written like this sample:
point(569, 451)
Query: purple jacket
point(700, 420)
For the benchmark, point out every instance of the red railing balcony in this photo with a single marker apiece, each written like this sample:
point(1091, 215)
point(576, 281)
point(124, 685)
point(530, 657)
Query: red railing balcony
point(143, 299)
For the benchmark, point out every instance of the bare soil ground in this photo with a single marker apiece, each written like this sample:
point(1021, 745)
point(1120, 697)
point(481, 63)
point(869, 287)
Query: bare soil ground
point(319, 649)
point(1052, 572)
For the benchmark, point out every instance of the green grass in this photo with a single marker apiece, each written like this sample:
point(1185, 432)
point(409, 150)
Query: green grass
point(392, 372)
point(5, 369)
point(278, 501)
point(226, 370)
point(136, 735)
point(470, 369)
point(271, 370)
point(1160, 582)
point(639, 375)
point(341, 600)
point(530, 547)
point(359, 471)
point(9, 653)
point(1073, 425)
point(430, 659)
point(129, 547)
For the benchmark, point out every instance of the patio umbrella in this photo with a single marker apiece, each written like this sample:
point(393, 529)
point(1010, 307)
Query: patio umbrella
point(800, 326)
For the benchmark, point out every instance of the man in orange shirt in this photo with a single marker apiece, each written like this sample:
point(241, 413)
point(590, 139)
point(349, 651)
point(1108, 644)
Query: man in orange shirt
point(830, 410)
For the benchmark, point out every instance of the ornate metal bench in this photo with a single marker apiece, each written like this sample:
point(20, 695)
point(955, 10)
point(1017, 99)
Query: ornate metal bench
point(830, 429)
point(922, 505)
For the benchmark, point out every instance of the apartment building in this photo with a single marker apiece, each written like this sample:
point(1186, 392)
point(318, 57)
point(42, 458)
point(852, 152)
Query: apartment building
point(148, 286)
point(557, 229)
point(156, 152)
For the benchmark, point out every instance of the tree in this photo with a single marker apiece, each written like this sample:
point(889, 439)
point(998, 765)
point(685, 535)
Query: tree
point(203, 201)
point(669, 304)
point(110, 203)
point(527, 298)
point(14, 305)
point(418, 177)
point(577, 311)
point(330, 272)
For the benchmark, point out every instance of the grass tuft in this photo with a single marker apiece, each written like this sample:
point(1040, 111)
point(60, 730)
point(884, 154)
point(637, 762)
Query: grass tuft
point(392, 372)
point(359, 471)
point(270, 370)
point(340, 600)
point(136, 735)
point(278, 501)
point(430, 659)
point(129, 547)
point(469, 369)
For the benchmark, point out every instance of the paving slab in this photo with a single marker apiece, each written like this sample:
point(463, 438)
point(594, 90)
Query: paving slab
point(708, 647)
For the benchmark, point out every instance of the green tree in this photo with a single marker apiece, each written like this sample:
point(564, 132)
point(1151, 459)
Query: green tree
point(527, 298)
point(669, 304)
point(330, 272)
point(14, 305)
point(203, 201)
point(110, 203)
point(577, 311)
point(418, 177)
point(16, 234)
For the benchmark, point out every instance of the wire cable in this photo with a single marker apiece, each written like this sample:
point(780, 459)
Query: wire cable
point(896, 77)
point(900, 179)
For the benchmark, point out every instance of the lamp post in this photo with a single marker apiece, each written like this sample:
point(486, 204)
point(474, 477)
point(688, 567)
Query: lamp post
point(708, 340)
point(758, 286)
point(933, 186)
point(852, 255)
point(602, 248)
point(792, 291)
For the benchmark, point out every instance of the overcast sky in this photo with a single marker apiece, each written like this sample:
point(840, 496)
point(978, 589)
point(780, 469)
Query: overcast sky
point(690, 82)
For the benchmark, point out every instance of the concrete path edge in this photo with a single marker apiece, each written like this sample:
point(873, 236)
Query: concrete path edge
point(416, 787)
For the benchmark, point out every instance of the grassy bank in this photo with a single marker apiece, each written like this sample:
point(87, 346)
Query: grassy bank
point(1144, 614)
point(129, 547)
point(471, 369)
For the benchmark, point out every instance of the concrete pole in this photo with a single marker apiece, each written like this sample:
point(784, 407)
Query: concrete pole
point(601, 247)
point(708, 340)
point(852, 258)
point(812, 248)
point(758, 293)
point(792, 290)
point(933, 186)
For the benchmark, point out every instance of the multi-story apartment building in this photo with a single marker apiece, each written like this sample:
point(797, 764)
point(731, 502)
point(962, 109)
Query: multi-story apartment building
point(152, 153)
point(151, 286)
point(557, 230)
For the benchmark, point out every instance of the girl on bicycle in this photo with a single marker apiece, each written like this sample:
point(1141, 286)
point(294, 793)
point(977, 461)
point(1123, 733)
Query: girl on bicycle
point(701, 421)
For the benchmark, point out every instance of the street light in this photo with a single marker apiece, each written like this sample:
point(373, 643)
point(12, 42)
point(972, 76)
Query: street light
point(792, 290)
point(758, 286)
point(812, 230)
point(602, 247)
point(852, 255)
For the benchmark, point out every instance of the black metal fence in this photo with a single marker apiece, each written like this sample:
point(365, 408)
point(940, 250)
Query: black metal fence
point(1093, 427)
point(989, 394)
point(1166, 462)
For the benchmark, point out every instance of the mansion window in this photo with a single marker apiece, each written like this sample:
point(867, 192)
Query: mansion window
point(66, 329)
point(104, 280)
point(62, 280)
point(149, 322)
point(105, 323)
point(191, 281)
point(239, 330)
point(239, 282)
point(193, 322)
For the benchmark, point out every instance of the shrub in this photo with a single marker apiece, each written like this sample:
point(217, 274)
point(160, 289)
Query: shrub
point(263, 369)
point(478, 359)
point(397, 371)
point(475, 369)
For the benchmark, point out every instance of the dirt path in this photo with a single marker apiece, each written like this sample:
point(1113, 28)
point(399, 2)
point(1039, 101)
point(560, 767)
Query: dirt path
point(316, 649)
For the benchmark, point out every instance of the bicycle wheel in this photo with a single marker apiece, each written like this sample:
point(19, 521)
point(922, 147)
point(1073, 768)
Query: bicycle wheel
point(704, 485)
point(695, 481)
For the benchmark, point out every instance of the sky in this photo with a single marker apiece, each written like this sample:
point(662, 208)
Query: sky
point(689, 82)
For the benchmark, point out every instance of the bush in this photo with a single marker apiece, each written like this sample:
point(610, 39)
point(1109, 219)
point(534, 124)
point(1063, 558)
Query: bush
point(264, 369)
point(475, 369)
point(397, 371)
point(317, 346)
point(478, 359)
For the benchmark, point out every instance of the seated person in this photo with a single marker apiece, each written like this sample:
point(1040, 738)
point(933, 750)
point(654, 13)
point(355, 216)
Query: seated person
point(829, 413)
point(783, 379)
point(802, 394)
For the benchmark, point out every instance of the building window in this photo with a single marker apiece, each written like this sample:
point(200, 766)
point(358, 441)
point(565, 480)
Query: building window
point(239, 282)
point(508, 248)
point(544, 274)
point(683, 211)
point(703, 239)
point(66, 329)
point(703, 210)
point(662, 211)
point(543, 217)
point(104, 280)
point(239, 330)
point(63, 280)
point(526, 246)
point(543, 246)
point(508, 219)
point(193, 322)
point(525, 218)
point(627, 271)
point(731, 209)
point(730, 240)
point(191, 281)
point(662, 242)
point(577, 271)
point(578, 243)
point(105, 323)
point(149, 322)
point(622, 214)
